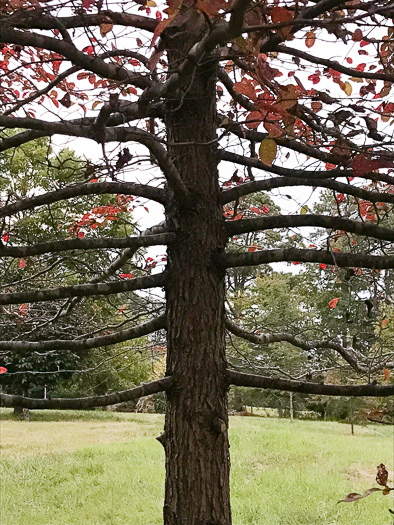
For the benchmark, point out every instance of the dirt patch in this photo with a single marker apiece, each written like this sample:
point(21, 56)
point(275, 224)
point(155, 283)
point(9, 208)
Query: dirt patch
point(357, 473)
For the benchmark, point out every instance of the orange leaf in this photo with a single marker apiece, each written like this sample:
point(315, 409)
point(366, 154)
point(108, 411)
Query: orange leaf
point(106, 28)
point(310, 39)
point(386, 372)
point(332, 304)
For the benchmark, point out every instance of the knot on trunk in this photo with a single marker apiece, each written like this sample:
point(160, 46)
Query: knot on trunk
point(219, 426)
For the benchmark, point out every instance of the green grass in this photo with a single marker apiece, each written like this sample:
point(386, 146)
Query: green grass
point(100, 468)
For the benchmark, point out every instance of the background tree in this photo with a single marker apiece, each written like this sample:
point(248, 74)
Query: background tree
point(185, 88)
point(36, 168)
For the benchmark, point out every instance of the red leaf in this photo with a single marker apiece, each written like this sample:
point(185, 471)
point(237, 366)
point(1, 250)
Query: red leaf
point(361, 165)
point(253, 120)
point(3, 370)
point(315, 78)
point(332, 304)
point(87, 4)
point(274, 130)
point(323, 266)
point(82, 75)
point(6, 237)
point(22, 263)
point(81, 235)
point(89, 50)
point(296, 262)
point(281, 14)
point(255, 210)
point(265, 209)
point(22, 309)
point(340, 197)
point(246, 87)
point(126, 275)
point(357, 36)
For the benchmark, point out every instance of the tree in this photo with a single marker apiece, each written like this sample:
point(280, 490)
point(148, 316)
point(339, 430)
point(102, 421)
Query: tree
point(35, 167)
point(212, 82)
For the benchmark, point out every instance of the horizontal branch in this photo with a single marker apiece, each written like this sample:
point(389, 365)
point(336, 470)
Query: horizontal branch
point(281, 170)
point(78, 190)
point(116, 264)
point(278, 182)
point(84, 290)
point(126, 111)
point(21, 138)
point(342, 260)
point(38, 20)
point(86, 244)
point(299, 173)
point(348, 354)
point(322, 221)
point(83, 403)
point(288, 385)
point(333, 64)
point(67, 49)
point(87, 343)
point(292, 144)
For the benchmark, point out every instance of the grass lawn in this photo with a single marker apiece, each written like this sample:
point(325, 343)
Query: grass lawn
point(102, 468)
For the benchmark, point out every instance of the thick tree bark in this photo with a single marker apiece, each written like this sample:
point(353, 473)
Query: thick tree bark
point(195, 437)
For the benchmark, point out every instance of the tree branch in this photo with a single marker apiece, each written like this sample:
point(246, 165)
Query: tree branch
point(133, 243)
point(294, 173)
point(288, 385)
point(90, 188)
point(83, 403)
point(348, 354)
point(333, 64)
point(278, 182)
point(38, 20)
point(81, 127)
point(84, 290)
point(89, 62)
point(322, 221)
point(294, 145)
point(116, 264)
point(89, 342)
point(342, 260)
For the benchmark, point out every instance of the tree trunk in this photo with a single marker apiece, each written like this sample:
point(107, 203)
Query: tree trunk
point(21, 413)
point(195, 436)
